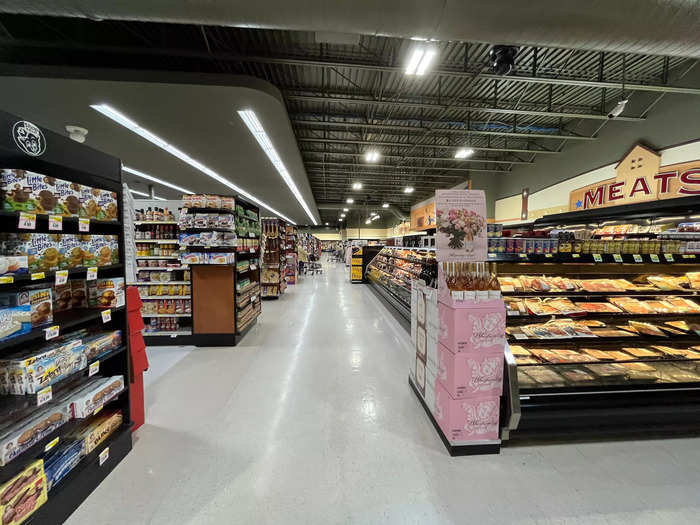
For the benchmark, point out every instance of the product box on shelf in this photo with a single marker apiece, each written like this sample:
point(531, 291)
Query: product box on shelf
point(107, 204)
point(61, 459)
point(96, 345)
point(23, 494)
point(95, 394)
point(79, 293)
point(14, 265)
point(22, 434)
point(466, 374)
point(39, 301)
point(106, 293)
point(471, 419)
point(89, 207)
point(61, 296)
point(101, 247)
point(473, 326)
point(70, 249)
point(22, 190)
point(93, 432)
point(41, 249)
point(14, 321)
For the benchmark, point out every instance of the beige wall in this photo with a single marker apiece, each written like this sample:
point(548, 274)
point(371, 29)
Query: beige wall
point(327, 236)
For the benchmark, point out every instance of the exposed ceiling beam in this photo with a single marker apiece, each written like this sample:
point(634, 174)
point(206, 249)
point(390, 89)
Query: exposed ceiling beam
point(429, 146)
point(394, 166)
point(467, 72)
point(389, 101)
point(441, 159)
point(463, 132)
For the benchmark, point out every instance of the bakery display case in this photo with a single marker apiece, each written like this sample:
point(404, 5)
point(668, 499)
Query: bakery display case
point(64, 354)
point(605, 346)
point(390, 273)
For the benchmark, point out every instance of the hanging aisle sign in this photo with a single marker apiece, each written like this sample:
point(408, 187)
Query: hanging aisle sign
point(639, 178)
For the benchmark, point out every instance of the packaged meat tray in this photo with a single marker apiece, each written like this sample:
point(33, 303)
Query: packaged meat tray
point(640, 372)
point(665, 282)
point(660, 307)
point(525, 381)
point(612, 332)
point(577, 376)
point(640, 352)
point(668, 351)
point(565, 307)
point(606, 370)
point(539, 307)
point(683, 305)
point(569, 356)
point(694, 280)
point(525, 360)
point(645, 328)
point(599, 308)
point(545, 377)
point(518, 350)
point(616, 355)
point(631, 305)
point(599, 355)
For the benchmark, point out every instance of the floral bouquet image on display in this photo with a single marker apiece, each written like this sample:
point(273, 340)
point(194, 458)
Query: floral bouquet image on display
point(460, 225)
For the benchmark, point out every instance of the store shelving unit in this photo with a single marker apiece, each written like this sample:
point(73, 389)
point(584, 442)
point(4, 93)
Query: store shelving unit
point(273, 258)
point(290, 255)
point(248, 285)
point(389, 274)
point(65, 159)
point(620, 385)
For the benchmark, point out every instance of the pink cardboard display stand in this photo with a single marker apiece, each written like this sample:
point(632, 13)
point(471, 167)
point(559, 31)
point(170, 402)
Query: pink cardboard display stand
point(473, 326)
point(470, 374)
point(462, 420)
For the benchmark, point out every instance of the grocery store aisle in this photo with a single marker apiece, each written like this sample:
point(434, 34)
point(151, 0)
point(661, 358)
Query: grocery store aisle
point(311, 421)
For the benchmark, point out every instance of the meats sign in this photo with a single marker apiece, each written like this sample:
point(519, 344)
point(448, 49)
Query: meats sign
point(639, 178)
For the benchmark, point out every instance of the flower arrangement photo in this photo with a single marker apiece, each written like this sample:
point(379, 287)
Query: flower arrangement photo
point(460, 225)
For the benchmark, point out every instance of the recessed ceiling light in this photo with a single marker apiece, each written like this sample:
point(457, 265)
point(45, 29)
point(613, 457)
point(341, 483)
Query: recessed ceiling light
point(350, 201)
point(154, 179)
point(256, 128)
point(326, 224)
point(408, 189)
point(341, 219)
point(420, 58)
point(346, 209)
point(125, 121)
point(385, 205)
point(356, 185)
point(372, 156)
point(367, 221)
point(463, 153)
point(142, 194)
point(342, 215)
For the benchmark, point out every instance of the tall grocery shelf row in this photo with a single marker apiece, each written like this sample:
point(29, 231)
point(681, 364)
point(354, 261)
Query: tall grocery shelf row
point(64, 351)
point(274, 240)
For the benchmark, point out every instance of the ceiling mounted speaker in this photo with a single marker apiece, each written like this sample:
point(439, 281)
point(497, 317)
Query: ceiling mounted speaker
point(503, 59)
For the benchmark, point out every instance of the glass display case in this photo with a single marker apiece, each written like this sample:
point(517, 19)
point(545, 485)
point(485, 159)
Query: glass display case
point(605, 345)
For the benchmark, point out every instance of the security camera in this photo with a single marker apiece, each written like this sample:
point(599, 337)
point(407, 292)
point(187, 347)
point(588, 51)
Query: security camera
point(502, 59)
point(77, 133)
point(618, 109)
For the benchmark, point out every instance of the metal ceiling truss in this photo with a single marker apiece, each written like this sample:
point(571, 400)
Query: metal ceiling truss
point(422, 145)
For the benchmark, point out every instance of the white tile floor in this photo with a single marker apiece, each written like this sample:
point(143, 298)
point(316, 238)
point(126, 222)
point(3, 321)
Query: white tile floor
point(310, 420)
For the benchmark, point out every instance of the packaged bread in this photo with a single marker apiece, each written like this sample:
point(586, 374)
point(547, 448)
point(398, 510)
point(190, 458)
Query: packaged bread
point(23, 494)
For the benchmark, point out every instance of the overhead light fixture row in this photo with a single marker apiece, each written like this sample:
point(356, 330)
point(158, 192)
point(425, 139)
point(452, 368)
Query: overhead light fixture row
point(125, 121)
point(463, 153)
point(356, 185)
point(346, 209)
point(342, 215)
point(372, 156)
point(350, 201)
point(142, 194)
point(155, 179)
point(420, 59)
point(408, 189)
point(385, 205)
point(255, 127)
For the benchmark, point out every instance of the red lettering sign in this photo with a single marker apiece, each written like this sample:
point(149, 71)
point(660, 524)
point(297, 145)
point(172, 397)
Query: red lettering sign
point(614, 191)
point(643, 186)
point(664, 178)
point(690, 177)
point(591, 199)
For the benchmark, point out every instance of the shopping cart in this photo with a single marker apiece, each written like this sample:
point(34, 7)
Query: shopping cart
point(314, 267)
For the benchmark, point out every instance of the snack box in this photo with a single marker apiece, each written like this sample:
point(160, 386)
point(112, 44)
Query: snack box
point(15, 320)
point(61, 297)
point(106, 293)
point(70, 249)
point(89, 206)
point(14, 265)
point(113, 243)
point(89, 257)
point(22, 190)
point(100, 246)
point(39, 301)
point(97, 393)
point(107, 206)
point(465, 374)
point(91, 433)
point(79, 293)
point(99, 344)
point(471, 326)
point(228, 203)
point(212, 201)
point(68, 194)
point(22, 434)
point(60, 460)
point(41, 250)
point(23, 494)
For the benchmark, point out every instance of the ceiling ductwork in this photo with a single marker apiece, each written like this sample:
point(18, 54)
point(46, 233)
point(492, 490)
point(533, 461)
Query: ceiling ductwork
point(658, 27)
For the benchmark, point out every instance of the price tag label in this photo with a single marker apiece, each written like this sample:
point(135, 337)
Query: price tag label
point(38, 275)
point(51, 444)
point(637, 258)
point(252, 250)
point(173, 335)
point(654, 257)
point(491, 255)
point(94, 368)
point(251, 234)
point(597, 257)
point(575, 255)
point(27, 221)
point(106, 316)
point(520, 336)
point(253, 267)
point(43, 396)
point(548, 255)
point(83, 225)
point(92, 273)
point(97, 410)
point(688, 256)
point(104, 456)
point(61, 277)
point(55, 222)
point(668, 257)
point(522, 255)
point(617, 257)
point(51, 332)
point(253, 298)
point(7, 279)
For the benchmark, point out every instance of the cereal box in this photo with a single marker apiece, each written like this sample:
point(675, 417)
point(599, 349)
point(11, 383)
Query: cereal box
point(107, 204)
point(78, 293)
point(41, 249)
point(89, 206)
point(71, 251)
point(106, 293)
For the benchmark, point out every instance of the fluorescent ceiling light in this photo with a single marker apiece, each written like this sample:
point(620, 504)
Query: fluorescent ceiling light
point(408, 189)
point(375, 217)
point(125, 121)
point(342, 215)
point(421, 57)
point(356, 185)
point(367, 221)
point(350, 201)
point(385, 205)
point(154, 179)
point(142, 194)
point(341, 219)
point(326, 224)
point(463, 153)
point(372, 156)
point(346, 209)
point(255, 127)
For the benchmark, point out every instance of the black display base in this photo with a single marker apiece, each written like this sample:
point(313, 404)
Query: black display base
point(166, 340)
point(266, 297)
point(455, 450)
point(213, 339)
point(82, 480)
point(399, 311)
point(241, 335)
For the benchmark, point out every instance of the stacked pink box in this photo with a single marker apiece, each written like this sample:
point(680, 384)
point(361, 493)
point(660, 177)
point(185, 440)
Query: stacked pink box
point(469, 382)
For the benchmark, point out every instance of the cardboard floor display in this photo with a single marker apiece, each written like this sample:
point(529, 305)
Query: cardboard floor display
point(459, 337)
